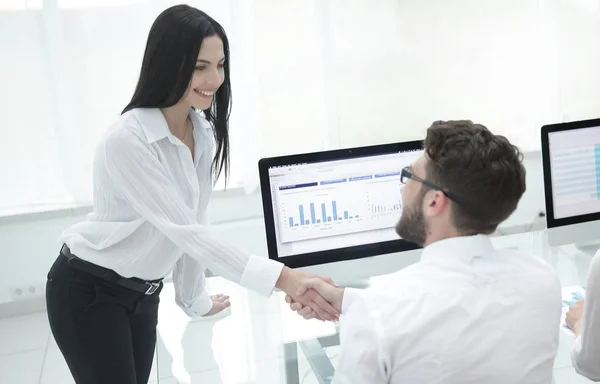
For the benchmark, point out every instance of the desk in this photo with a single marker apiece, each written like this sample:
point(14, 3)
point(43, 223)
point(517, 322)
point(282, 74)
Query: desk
point(263, 342)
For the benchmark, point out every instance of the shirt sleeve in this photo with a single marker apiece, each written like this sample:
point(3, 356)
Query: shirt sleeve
point(586, 352)
point(190, 287)
point(189, 281)
point(143, 182)
point(350, 296)
point(361, 359)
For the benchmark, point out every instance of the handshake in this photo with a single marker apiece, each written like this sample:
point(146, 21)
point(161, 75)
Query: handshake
point(311, 296)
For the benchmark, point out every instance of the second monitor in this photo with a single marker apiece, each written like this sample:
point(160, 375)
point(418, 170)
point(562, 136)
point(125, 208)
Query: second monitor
point(571, 168)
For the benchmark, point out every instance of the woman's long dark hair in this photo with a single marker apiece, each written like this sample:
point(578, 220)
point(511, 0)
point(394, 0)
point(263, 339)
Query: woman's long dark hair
point(169, 61)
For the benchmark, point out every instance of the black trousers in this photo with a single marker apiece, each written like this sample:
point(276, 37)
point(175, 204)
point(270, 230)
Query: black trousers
point(106, 333)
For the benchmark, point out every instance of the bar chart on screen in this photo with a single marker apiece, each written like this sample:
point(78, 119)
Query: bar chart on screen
point(383, 201)
point(377, 210)
point(576, 175)
point(349, 205)
point(318, 213)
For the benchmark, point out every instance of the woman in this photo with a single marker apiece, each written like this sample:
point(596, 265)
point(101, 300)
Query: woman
point(153, 173)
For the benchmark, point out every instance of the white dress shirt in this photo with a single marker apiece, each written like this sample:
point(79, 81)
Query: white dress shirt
point(465, 313)
point(149, 219)
point(586, 353)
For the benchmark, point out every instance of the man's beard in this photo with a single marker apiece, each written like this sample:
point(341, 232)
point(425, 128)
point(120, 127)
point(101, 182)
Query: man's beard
point(411, 226)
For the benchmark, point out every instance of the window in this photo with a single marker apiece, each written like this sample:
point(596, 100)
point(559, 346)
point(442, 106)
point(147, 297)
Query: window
point(20, 5)
point(307, 75)
point(75, 4)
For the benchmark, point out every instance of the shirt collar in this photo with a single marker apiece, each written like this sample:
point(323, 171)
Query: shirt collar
point(201, 125)
point(463, 247)
point(155, 126)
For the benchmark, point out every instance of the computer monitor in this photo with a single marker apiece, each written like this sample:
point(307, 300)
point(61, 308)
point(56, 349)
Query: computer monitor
point(571, 167)
point(337, 206)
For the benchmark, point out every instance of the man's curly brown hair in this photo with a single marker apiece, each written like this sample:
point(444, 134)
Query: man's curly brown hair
point(483, 171)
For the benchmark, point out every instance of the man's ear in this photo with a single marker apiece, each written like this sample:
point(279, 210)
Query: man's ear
point(436, 202)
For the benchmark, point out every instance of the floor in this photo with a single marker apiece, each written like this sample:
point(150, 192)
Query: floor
point(28, 355)
point(221, 350)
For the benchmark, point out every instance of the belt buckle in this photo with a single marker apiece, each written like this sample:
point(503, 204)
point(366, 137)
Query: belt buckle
point(152, 288)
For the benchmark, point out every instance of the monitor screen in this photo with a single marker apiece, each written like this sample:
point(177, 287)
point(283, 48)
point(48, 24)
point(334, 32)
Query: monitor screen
point(328, 203)
point(574, 156)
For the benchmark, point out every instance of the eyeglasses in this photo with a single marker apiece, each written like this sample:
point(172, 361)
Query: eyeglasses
point(407, 174)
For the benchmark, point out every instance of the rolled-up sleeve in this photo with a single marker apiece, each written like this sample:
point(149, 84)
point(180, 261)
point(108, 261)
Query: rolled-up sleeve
point(143, 183)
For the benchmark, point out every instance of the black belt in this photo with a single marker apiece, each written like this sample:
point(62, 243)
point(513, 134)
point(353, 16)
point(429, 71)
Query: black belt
point(133, 283)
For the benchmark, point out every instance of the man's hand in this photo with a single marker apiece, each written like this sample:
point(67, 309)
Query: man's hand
point(291, 282)
point(574, 315)
point(306, 312)
point(331, 293)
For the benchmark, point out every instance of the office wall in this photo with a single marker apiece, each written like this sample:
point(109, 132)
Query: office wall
point(29, 246)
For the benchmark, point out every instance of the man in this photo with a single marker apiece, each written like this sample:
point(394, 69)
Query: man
point(466, 312)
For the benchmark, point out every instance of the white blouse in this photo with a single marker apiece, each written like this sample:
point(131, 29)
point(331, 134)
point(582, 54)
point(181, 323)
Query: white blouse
point(149, 219)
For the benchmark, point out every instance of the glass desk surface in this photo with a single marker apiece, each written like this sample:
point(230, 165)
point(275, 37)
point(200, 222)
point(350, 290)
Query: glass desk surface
point(262, 341)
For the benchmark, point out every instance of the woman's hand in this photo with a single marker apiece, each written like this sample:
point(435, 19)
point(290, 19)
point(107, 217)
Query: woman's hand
point(290, 282)
point(220, 303)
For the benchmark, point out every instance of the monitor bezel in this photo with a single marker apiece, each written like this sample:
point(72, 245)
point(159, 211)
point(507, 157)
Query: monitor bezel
point(551, 221)
point(334, 255)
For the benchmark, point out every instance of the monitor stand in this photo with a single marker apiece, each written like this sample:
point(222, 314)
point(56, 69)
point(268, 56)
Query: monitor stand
point(358, 283)
point(583, 236)
point(589, 248)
